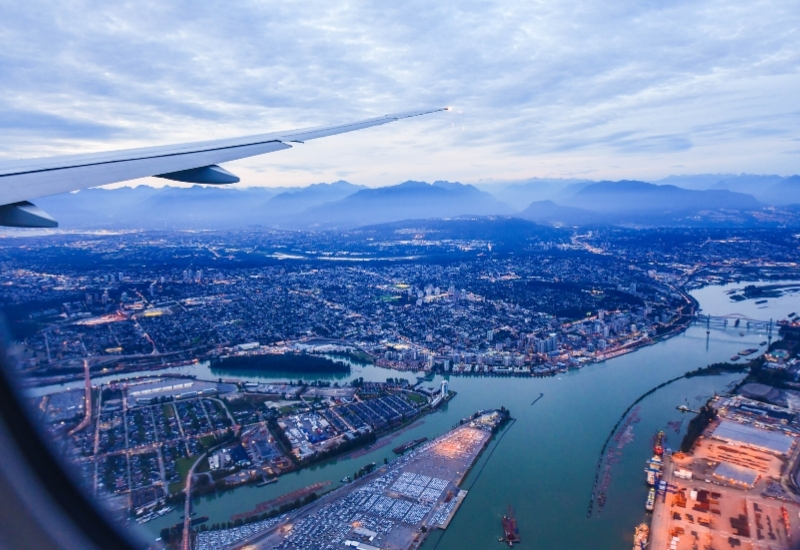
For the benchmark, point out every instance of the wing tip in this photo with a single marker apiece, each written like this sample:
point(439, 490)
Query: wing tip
point(409, 114)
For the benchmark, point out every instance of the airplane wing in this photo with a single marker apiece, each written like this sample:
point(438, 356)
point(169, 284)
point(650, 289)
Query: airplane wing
point(27, 179)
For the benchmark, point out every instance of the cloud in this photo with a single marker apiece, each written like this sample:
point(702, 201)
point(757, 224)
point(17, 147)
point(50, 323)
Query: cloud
point(27, 123)
point(543, 88)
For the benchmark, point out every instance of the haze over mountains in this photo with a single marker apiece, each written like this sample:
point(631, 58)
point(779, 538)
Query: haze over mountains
point(675, 201)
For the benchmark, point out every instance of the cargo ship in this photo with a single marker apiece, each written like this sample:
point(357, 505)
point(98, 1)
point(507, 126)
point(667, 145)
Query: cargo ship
point(640, 536)
point(510, 530)
point(658, 446)
point(653, 470)
point(655, 463)
point(748, 351)
point(409, 445)
point(651, 500)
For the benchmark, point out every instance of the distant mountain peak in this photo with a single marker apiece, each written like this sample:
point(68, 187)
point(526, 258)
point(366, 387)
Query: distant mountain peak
point(409, 184)
point(450, 184)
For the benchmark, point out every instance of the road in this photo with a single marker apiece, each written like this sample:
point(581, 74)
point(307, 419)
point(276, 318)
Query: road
point(187, 507)
point(87, 419)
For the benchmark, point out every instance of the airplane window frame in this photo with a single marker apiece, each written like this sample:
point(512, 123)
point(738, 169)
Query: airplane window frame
point(46, 468)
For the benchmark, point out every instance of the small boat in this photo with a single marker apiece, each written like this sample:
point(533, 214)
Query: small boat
point(762, 343)
point(735, 358)
point(267, 482)
point(741, 333)
point(761, 302)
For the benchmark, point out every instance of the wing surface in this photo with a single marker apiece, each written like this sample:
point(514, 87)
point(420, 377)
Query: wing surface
point(27, 179)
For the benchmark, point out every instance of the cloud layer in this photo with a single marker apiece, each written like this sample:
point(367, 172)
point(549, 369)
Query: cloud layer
point(582, 88)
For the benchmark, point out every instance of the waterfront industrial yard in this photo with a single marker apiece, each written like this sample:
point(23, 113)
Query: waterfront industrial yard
point(393, 507)
point(730, 491)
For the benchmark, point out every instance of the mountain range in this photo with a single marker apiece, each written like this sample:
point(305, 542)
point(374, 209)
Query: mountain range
point(678, 200)
point(409, 200)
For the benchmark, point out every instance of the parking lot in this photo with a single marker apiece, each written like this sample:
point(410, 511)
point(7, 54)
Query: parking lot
point(393, 504)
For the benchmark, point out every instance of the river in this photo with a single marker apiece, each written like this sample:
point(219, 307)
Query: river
point(545, 465)
point(204, 371)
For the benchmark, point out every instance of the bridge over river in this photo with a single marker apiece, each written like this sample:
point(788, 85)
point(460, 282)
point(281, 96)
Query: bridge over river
point(736, 320)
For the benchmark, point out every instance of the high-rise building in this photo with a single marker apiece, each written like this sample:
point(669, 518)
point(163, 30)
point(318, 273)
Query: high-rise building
point(445, 388)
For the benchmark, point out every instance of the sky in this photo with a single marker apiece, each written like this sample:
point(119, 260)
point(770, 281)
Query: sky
point(580, 89)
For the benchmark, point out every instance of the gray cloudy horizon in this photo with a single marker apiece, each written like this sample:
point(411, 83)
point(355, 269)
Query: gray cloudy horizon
point(636, 90)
